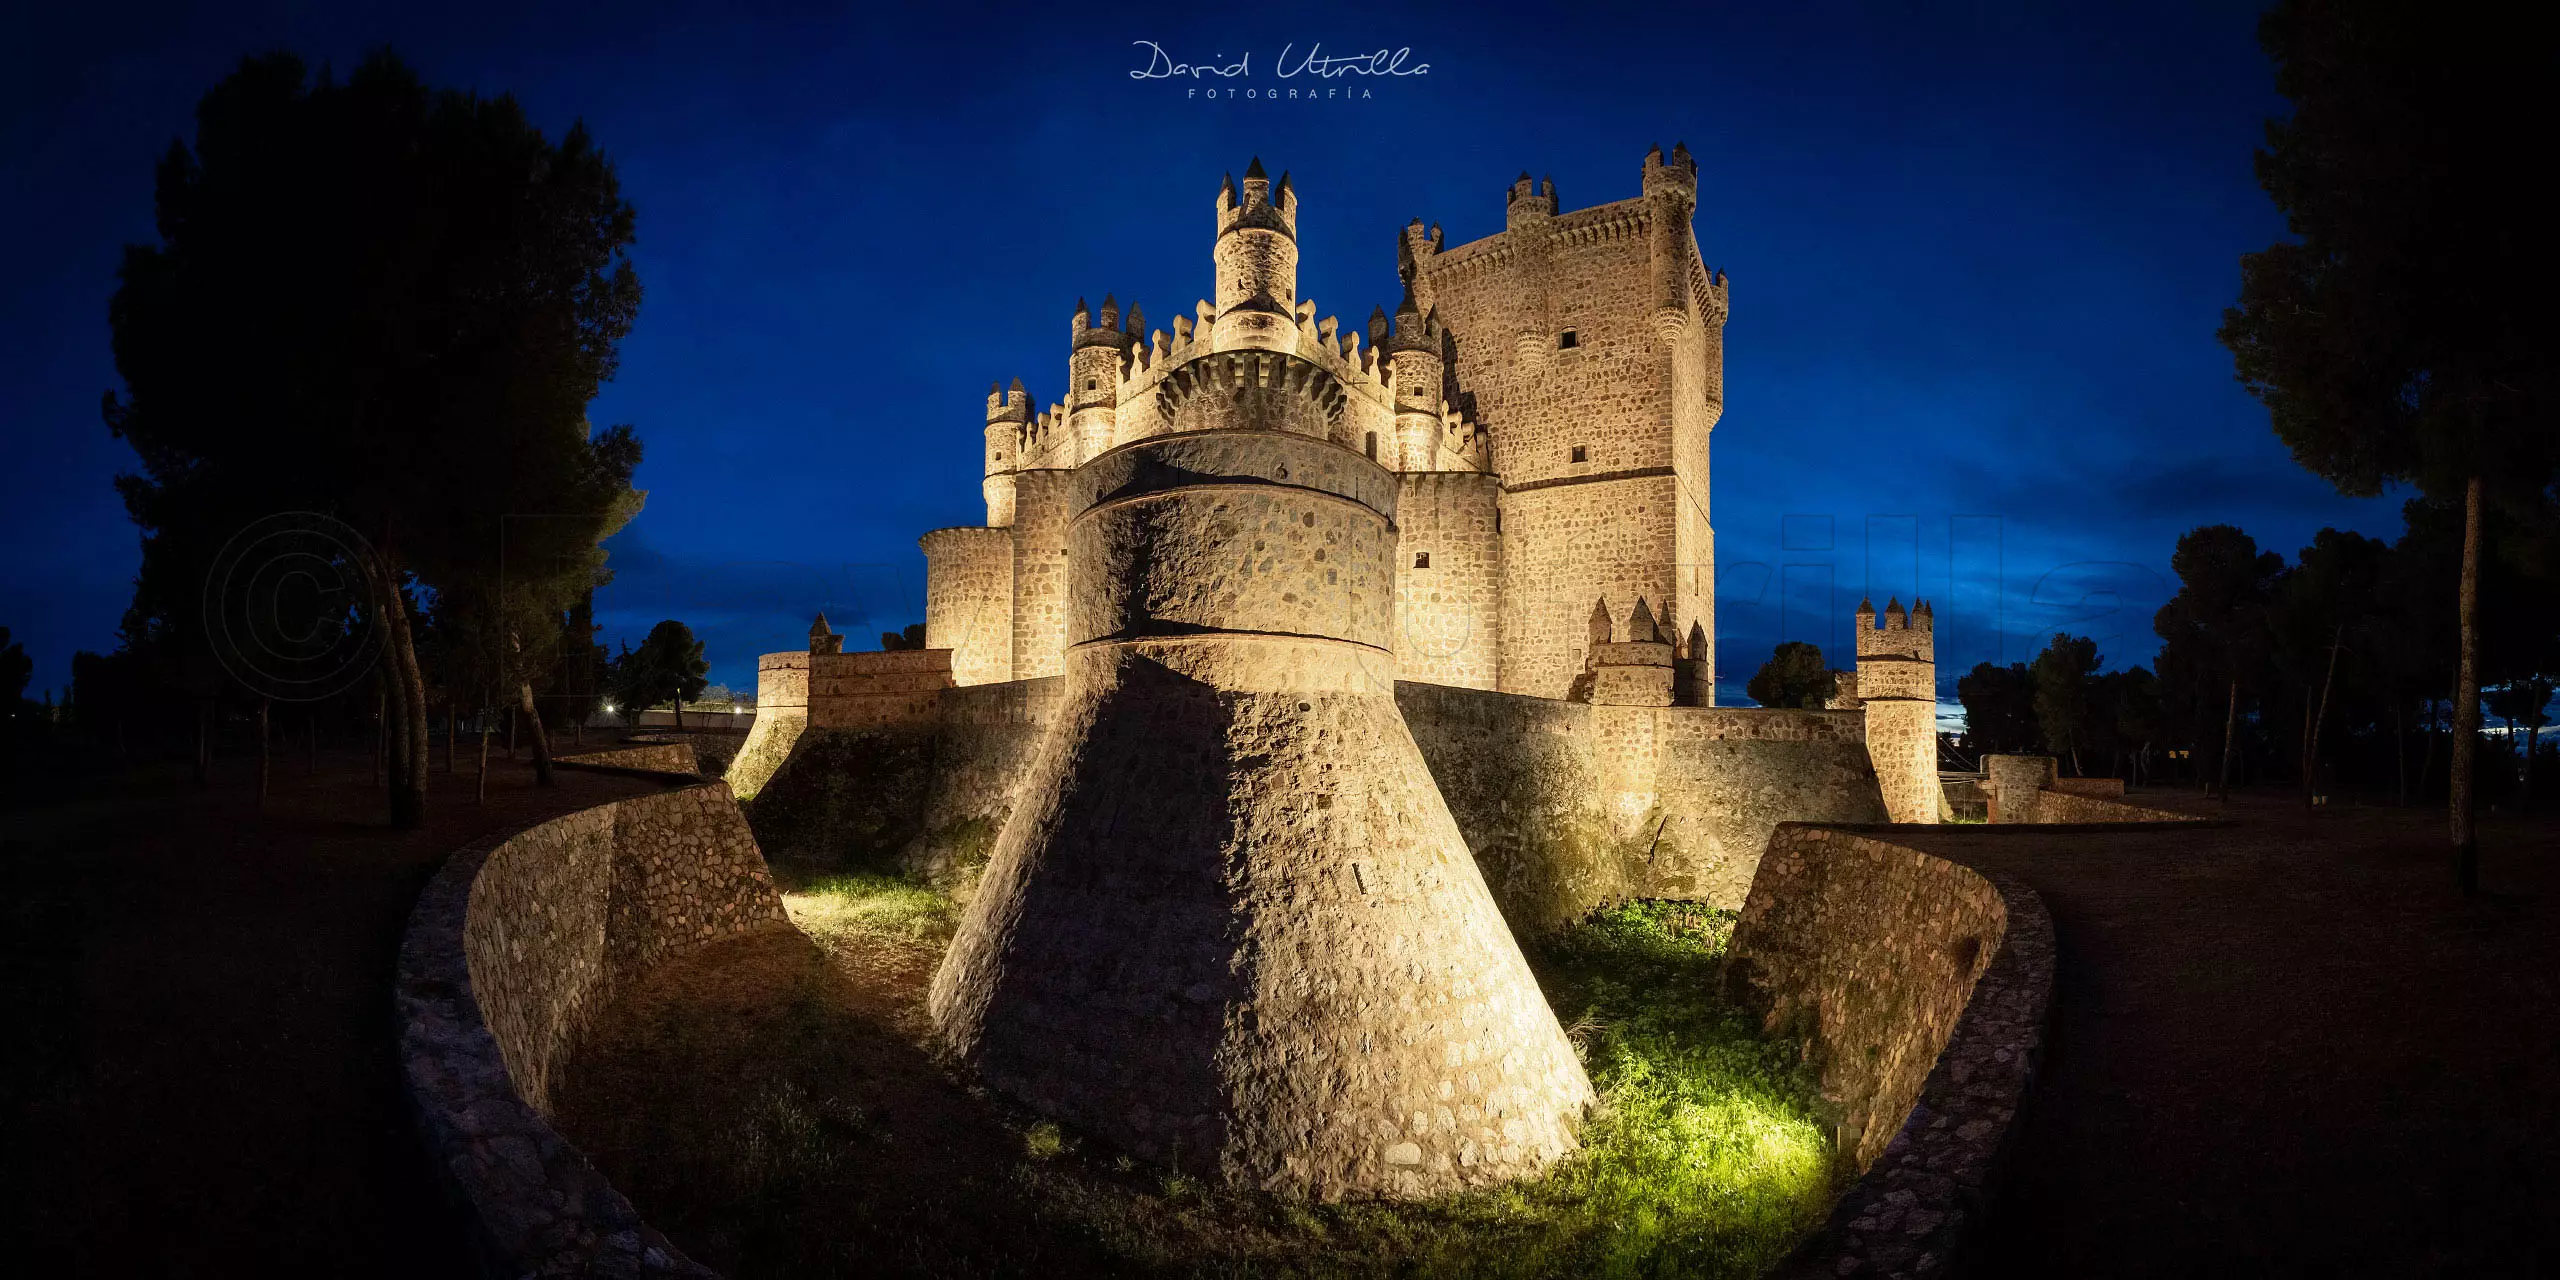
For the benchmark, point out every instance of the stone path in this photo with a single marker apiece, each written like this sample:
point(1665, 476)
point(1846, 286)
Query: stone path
point(2287, 1047)
point(201, 1077)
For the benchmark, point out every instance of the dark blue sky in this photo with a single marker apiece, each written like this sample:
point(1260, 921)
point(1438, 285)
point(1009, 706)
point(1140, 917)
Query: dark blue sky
point(1978, 254)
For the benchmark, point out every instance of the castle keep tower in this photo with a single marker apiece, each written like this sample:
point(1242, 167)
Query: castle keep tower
point(1591, 343)
point(1230, 923)
point(1898, 686)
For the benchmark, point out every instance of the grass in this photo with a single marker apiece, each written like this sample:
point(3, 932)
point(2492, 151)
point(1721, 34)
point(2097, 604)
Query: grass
point(1704, 1158)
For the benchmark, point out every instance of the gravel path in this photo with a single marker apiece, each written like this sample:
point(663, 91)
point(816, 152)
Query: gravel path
point(2287, 1047)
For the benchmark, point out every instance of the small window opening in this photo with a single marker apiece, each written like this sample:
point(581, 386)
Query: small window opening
point(1421, 559)
point(1372, 446)
point(1497, 522)
point(1568, 340)
point(1092, 383)
point(1582, 453)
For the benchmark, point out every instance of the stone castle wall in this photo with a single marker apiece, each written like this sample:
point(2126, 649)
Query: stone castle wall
point(513, 945)
point(1522, 776)
point(1449, 578)
point(1596, 332)
point(1040, 572)
point(1917, 988)
point(1610, 523)
point(875, 689)
point(968, 601)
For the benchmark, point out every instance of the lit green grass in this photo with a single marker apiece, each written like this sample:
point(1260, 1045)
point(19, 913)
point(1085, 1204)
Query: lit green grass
point(1703, 1159)
point(881, 909)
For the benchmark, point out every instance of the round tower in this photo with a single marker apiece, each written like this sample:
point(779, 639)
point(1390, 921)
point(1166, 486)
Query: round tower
point(1257, 261)
point(1898, 692)
point(1671, 187)
point(1276, 963)
point(1008, 412)
point(1412, 351)
point(1098, 352)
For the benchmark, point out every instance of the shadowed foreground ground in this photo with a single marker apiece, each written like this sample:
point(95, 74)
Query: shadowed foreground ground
point(2287, 1047)
point(200, 1077)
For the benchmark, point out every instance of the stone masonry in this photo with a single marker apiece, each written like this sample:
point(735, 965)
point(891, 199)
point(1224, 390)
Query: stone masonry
point(1230, 924)
point(1544, 397)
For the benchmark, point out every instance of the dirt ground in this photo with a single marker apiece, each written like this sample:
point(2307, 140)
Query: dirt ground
point(2287, 1047)
point(200, 1076)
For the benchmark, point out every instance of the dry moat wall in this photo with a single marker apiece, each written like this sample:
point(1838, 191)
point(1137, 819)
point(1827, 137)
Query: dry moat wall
point(511, 947)
point(1917, 987)
point(1565, 805)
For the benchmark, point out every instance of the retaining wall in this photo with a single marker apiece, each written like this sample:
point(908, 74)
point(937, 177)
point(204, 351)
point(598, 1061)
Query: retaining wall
point(1918, 988)
point(653, 756)
point(1562, 812)
point(511, 947)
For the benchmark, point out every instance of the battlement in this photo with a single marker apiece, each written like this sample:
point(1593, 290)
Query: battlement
point(1528, 202)
point(1083, 330)
point(1630, 665)
point(1258, 203)
point(1012, 405)
point(1413, 328)
point(1895, 633)
point(1676, 177)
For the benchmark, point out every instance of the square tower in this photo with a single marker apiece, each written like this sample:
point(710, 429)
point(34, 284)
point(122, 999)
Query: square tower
point(1590, 346)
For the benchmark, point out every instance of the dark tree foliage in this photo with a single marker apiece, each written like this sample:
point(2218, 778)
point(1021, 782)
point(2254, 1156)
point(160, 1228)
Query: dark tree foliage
point(910, 638)
point(16, 668)
point(2065, 678)
point(2214, 630)
point(392, 305)
point(1794, 676)
point(2405, 332)
point(1999, 709)
point(667, 667)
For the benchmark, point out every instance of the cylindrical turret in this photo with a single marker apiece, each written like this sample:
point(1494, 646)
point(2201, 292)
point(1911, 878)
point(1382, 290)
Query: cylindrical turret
point(1277, 963)
point(1099, 352)
point(1007, 413)
point(1257, 262)
point(1672, 189)
point(1412, 351)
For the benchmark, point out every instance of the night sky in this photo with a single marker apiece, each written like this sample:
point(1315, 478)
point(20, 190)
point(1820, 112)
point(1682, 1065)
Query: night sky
point(1977, 256)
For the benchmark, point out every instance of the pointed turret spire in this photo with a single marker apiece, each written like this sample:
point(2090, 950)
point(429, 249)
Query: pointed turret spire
point(1254, 170)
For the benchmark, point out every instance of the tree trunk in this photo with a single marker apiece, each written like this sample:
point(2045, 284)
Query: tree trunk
point(405, 729)
point(511, 733)
point(266, 764)
point(483, 792)
point(2311, 738)
point(381, 723)
point(2230, 735)
point(679, 715)
point(541, 737)
point(2466, 701)
point(452, 712)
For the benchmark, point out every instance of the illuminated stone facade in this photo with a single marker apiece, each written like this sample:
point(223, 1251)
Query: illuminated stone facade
point(1230, 923)
point(1237, 913)
point(1543, 396)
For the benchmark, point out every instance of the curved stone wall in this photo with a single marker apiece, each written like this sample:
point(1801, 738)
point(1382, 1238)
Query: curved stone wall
point(1918, 988)
point(512, 945)
point(653, 755)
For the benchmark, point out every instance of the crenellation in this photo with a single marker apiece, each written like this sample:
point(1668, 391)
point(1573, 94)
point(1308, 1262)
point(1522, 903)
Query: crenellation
point(1543, 402)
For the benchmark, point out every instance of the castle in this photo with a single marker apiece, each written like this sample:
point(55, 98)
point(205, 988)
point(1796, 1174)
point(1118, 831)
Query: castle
point(1291, 674)
point(1543, 398)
